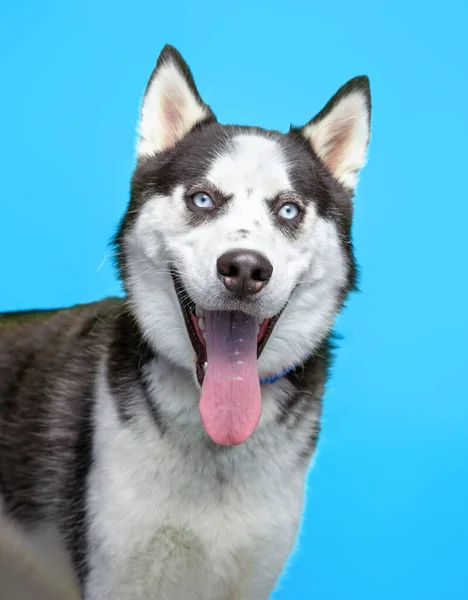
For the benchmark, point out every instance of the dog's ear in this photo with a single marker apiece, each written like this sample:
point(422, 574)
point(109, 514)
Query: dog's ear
point(172, 105)
point(340, 133)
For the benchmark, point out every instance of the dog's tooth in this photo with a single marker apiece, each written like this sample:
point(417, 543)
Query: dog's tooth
point(199, 312)
point(204, 335)
point(201, 323)
point(205, 366)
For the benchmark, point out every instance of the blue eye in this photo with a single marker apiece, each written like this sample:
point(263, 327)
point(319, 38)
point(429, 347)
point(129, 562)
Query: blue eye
point(202, 200)
point(288, 211)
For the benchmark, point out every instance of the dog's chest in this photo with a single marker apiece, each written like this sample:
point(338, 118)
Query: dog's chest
point(176, 513)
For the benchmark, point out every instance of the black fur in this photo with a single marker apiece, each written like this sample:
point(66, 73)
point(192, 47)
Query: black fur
point(187, 162)
point(129, 354)
point(49, 359)
point(75, 515)
point(48, 364)
point(357, 84)
point(170, 54)
point(190, 159)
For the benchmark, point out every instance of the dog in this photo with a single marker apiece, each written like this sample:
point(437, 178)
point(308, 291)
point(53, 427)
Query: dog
point(166, 436)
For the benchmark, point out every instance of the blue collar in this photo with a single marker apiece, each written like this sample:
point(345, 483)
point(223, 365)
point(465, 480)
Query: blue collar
point(274, 378)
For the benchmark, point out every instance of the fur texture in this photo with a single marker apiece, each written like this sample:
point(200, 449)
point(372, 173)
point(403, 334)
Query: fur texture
point(100, 431)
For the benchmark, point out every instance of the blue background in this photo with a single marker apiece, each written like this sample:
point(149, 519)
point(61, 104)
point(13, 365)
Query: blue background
point(388, 498)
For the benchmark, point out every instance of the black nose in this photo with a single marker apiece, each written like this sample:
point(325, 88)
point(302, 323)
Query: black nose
point(244, 272)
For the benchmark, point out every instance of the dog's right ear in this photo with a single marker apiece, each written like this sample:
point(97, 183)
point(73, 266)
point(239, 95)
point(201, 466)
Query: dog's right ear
point(172, 105)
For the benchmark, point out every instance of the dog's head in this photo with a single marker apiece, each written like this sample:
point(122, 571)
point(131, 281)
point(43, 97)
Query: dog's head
point(235, 250)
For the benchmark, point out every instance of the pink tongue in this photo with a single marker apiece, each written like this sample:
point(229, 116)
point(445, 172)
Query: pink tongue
point(230, 403)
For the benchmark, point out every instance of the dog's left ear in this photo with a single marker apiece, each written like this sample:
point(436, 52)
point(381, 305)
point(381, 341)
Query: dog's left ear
point(340, 133)
point(172, 105)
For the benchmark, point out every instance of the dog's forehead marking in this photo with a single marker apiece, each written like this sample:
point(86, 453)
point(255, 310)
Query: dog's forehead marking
point(252, 165)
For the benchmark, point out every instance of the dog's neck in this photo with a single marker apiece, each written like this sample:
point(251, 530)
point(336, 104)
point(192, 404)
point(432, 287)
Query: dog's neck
point(143, 381)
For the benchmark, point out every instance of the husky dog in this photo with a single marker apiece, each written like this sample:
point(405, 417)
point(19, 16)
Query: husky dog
point(167, 436)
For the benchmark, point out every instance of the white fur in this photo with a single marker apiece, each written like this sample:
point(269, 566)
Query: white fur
point(171, 516)
point(164, 527)
point(341, 138)
point(168, 112)
point(310, 271)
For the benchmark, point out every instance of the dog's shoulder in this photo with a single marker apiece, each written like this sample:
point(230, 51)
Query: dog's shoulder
point(48, 360)
point(34, 333)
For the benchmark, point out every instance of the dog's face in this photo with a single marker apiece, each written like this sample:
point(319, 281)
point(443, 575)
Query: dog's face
point(237, 242)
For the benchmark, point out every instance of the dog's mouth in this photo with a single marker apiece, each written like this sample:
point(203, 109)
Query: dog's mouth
point(227, 345)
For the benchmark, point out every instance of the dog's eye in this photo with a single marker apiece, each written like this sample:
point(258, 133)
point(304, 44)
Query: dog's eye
point(202, 200)
point(288, 211)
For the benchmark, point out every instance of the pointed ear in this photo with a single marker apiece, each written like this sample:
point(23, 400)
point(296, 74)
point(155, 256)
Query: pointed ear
point(172, 105)
point(340, 133)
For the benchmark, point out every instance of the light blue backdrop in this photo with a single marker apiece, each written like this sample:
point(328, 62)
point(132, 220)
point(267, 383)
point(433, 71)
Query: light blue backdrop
point(387, 503)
